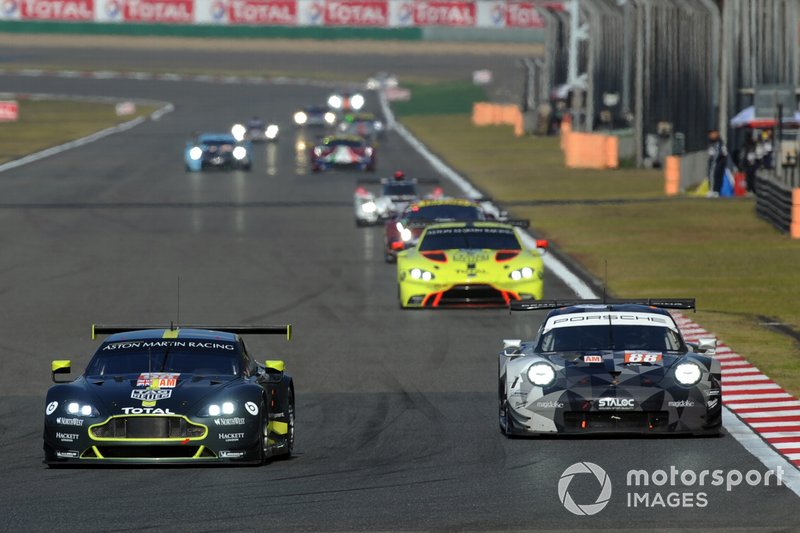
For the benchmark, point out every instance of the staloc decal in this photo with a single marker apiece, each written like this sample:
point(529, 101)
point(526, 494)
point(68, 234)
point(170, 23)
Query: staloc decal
point(615, 404)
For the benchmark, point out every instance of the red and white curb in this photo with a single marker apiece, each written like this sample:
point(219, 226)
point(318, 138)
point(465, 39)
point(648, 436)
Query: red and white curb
point(759, 402)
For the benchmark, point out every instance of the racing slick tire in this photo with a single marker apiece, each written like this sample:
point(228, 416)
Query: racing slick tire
point(290, 434)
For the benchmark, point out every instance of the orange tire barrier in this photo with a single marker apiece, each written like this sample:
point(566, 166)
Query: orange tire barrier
point(488, 114)
point(795, 229)
point(590, 150)
point(672, 175)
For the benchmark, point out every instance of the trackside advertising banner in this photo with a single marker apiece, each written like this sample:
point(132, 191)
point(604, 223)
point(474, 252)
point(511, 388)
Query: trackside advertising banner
point(332, 13)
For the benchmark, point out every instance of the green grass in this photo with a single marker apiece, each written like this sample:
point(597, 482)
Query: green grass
point(448, 98)
point(739, 268)
point(46, 123)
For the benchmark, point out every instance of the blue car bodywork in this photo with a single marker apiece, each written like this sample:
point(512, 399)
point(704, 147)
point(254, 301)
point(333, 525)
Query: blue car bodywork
point(217, 151)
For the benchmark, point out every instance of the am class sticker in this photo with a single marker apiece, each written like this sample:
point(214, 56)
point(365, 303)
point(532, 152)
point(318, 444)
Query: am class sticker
point(251, 408)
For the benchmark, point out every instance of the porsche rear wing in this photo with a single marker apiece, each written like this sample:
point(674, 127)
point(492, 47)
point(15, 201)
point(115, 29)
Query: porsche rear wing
point(109, 329)
point(383, 181)
point(663, 303)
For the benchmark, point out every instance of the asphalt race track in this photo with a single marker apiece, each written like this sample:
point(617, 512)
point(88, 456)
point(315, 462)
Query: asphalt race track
point(397, 415)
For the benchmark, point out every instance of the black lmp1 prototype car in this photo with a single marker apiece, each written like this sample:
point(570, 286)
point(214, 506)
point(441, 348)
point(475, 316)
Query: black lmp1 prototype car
point(617, 366)
point(171, 395)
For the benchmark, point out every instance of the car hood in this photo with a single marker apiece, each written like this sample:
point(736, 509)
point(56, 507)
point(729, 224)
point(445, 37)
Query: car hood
point(116, 393)
point(646, 366)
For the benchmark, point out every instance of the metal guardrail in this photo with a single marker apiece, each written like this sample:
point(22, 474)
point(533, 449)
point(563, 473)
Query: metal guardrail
point(774, 202)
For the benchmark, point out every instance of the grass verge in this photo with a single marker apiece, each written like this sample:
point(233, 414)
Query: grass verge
point(743, 273)
point(46, 123)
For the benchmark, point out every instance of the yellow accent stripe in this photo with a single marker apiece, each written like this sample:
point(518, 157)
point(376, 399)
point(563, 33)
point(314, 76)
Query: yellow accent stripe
point(279, 428)
point(171, 333)
point(93, 335)
point(146, 403)
point(199, 452)
point(97, 452)
point(288, 332)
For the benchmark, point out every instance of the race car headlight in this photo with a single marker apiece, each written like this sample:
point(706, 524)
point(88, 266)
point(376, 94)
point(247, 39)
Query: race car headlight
point(81, 409)
point(541, 374)
point(317, 151)
point(329, 117)
point(238, 131)
point(378, 125)
point(522, 273)
point(406, 234)
point(335, 101)
point(368, 151)
point(688, 373)
point(216, 409)
point(240, 152)
point(357, 101)
point(369, 207)
point(300, 118)
point(196, 153)
point(272, 131)
point(418, 273)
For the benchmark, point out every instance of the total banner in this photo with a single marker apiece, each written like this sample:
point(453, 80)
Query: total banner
point(332, 13)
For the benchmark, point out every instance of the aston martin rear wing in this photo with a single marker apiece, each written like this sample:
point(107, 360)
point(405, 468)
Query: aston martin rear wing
point(663, 303)
point(383, 181)
point(109, 329)
point(423, 223)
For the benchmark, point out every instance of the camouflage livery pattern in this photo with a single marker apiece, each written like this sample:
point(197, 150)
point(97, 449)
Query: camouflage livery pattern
point(625, 389)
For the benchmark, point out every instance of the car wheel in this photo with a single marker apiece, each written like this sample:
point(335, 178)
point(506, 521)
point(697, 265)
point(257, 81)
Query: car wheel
point(361, 223)
point(290, 429)
point(263, 441)
point(505, 420)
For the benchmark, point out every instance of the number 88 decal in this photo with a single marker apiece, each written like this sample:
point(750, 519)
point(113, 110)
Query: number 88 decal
point(642, 357)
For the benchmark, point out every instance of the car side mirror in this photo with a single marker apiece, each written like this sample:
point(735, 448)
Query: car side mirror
point(275, 365)
point(62, 366)
point(707, 345)
point(512, 347)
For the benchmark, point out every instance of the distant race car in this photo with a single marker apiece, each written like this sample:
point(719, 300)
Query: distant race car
point(343, 101)
point(342, 151)
point(617, 366)
point(395, 195)
point(402, 231)
point(364, 125)
point(469, 264)
point(382, 80)
point(255, 129)
point(217, 151)
point(314, 116)
point(171, 395)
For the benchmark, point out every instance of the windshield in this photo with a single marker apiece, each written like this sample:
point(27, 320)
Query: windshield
point(399, 189)
point(469, 238)
point(344, 142)
point(607, 337)
point(179, 356)
point(444, 213)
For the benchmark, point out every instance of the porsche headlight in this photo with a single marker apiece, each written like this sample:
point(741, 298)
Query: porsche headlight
point(317, 151)
point(378, 125)
point(272, 131)
point(81, 409)
point(369, 207)
point(522, 273)
point(368, 151)
point(418, 273)
point(688, 373)
point(238, 131)
point(541, 374)
point(300, 118)
point(196, 153)
point(335, 101)
point(240, 152)
point(357, 101)
point(330, 118)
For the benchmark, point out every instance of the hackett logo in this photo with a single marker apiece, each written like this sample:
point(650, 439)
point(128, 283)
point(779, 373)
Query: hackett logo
point(58, 9)
point(159, 11)
point(357, 13)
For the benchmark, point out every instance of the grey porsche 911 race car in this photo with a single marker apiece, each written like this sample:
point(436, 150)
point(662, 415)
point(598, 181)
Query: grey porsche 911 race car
point(171, 395)
point(609, 367)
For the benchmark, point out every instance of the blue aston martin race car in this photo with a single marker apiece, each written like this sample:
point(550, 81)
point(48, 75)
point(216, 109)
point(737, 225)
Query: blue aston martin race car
point(171, 395)
point(217, 151)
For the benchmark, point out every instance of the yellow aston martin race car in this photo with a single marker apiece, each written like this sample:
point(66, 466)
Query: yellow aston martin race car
point(469, 264)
